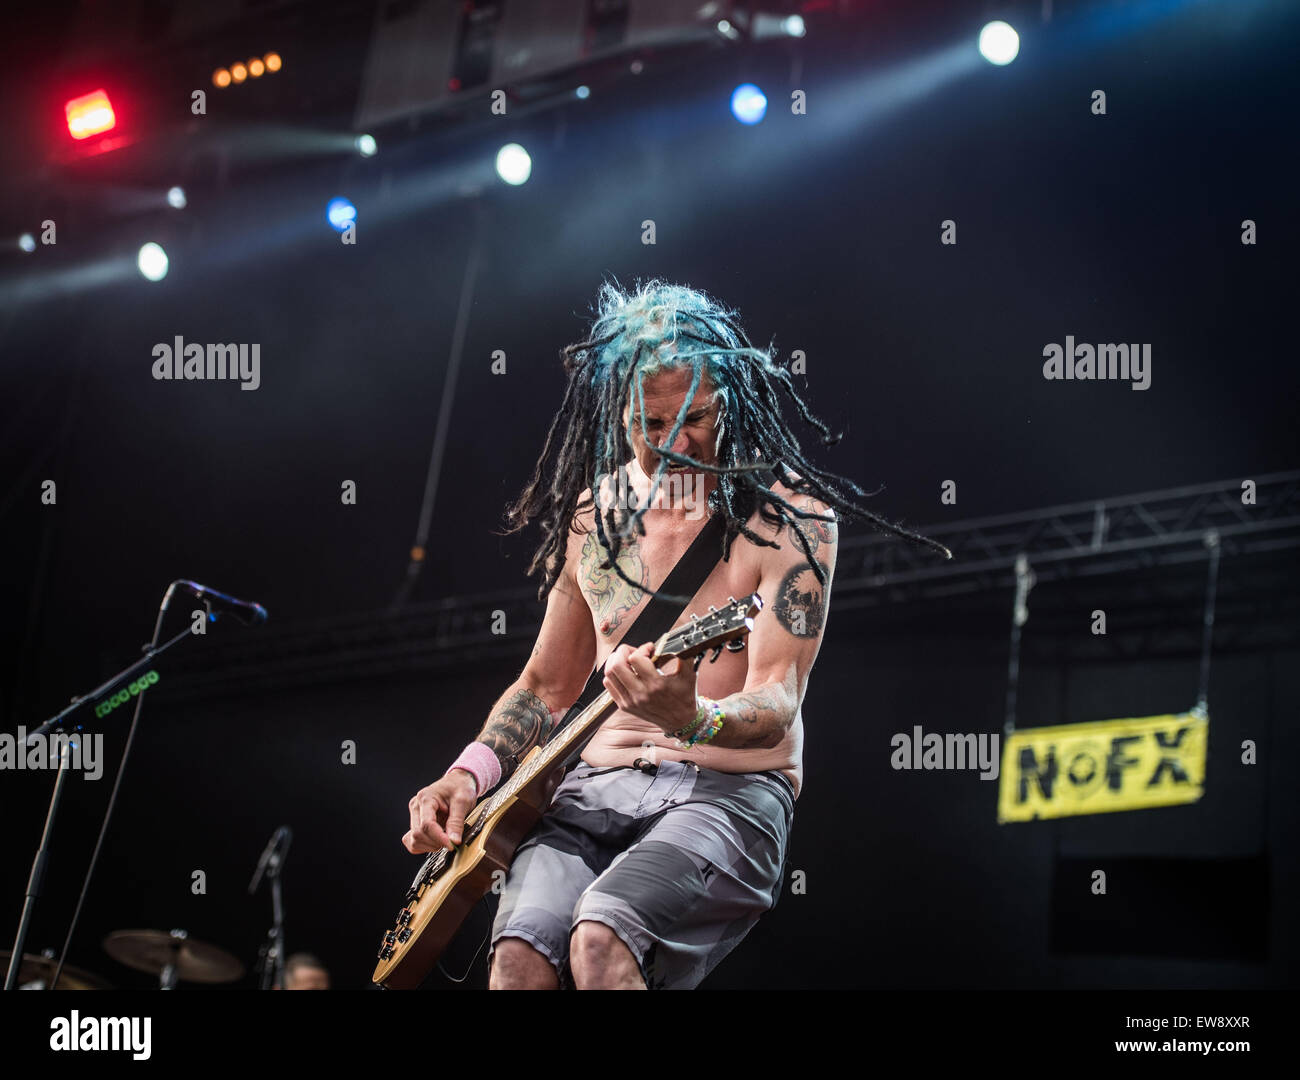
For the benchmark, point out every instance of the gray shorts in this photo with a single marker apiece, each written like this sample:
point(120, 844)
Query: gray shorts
point(679, 864)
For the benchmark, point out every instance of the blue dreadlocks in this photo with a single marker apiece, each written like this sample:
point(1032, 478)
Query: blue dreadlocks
point(659, 327)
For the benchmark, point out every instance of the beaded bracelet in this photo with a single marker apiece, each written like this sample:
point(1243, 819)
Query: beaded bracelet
point(706, 732)
point(692, 726)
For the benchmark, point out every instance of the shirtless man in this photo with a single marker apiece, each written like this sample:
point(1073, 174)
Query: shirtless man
point(648, 876)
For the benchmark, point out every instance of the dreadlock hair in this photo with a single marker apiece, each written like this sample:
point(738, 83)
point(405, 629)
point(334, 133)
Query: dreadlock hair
point(659, 327)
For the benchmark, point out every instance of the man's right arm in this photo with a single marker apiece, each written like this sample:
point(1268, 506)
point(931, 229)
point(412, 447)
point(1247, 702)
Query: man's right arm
point(532, 707)
point(525, 716)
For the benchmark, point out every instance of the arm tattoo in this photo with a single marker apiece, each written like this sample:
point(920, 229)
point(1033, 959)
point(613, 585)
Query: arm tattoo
point(800, 604)
point(758, 708)
point(515, 726)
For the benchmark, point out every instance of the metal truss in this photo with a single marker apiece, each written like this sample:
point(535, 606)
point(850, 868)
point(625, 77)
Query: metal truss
point(1108, 536)
point(1067, 544)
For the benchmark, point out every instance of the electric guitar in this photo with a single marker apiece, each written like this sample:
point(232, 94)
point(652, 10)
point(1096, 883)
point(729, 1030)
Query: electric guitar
point(451, 882)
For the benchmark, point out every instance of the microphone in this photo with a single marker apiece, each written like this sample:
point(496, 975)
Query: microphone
point(282, 835)
point(245, 611)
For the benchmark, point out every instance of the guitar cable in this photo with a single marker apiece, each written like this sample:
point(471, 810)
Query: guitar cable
point(486, 936)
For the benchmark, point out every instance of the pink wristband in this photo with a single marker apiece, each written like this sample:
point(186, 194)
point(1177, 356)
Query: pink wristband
point(480, 762)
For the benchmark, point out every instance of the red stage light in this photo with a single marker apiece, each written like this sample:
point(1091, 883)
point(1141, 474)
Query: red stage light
point(89, 115)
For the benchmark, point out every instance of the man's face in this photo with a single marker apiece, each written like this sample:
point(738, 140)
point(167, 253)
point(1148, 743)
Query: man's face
point(307, 978)
point(664, 394)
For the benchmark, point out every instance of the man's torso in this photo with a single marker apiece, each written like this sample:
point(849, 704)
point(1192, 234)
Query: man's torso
point(614, 605)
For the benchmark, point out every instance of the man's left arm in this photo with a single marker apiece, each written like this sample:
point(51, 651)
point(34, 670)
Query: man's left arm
point(787, 634)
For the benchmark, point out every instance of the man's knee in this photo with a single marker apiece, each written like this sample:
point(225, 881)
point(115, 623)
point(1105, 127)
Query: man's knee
point(516, 965)
point(600, 960)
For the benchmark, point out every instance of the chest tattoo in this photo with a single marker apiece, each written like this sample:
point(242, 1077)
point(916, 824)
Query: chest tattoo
point(610, 597)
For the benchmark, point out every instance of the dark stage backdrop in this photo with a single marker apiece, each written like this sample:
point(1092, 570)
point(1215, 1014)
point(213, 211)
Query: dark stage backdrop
point(824, 232)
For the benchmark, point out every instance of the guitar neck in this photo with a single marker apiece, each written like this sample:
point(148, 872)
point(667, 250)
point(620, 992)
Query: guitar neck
point(719, 629)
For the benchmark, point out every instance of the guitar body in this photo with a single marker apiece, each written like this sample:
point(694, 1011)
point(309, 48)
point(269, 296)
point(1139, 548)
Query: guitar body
point(440, 906)
point(450, 883)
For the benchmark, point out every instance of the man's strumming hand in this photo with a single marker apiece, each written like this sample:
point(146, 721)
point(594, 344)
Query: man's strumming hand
point(662, 696)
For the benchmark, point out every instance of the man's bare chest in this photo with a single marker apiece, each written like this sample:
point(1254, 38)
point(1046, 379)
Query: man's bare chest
point(616, 599)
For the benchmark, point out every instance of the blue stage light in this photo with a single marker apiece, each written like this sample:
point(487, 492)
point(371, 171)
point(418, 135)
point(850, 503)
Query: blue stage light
point(748, 103)
point(341, 213)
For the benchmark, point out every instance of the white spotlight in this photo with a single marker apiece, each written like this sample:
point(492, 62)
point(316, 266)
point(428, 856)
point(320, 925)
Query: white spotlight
point(794, 26)
point(366, 145)
point(152, 262)
point(514, 166)
point(27, 242)
point(176, 198)
point(999, 43)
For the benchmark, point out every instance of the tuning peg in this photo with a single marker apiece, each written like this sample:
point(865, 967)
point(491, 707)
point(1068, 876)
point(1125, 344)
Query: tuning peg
point(731, 599)
point(717, 651)
point(736, 645)
point(712, 608)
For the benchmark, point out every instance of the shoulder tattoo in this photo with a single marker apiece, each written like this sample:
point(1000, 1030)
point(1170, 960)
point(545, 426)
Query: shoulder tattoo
point(815, 532)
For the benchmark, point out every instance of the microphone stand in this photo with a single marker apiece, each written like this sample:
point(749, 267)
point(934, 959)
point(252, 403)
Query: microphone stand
point(36, 879)
point(271, 955)
point(151, 651)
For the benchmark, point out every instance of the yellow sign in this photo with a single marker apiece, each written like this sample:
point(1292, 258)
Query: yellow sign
point(1096, 768)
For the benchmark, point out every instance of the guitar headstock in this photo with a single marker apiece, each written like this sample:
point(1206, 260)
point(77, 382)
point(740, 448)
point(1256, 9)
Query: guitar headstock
point(724, 627)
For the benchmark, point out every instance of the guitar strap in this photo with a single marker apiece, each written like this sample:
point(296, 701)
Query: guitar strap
point(658, 616)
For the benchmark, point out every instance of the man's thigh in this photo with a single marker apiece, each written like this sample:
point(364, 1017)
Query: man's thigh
point(591, 819)
point(702, 871)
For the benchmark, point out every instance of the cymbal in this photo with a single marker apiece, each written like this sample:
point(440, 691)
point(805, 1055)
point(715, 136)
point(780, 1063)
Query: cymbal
point(152, 950)
point(41, 969)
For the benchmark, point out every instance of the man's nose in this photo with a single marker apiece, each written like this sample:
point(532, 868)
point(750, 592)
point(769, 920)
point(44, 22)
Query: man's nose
point(680, 444)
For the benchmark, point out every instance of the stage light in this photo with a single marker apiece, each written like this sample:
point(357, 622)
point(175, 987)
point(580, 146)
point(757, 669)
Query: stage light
point(272, 61)
point(999, 43)
point(238, 72)
point(727, 30)
point(340, 213)
point(583, 92)
point(152, 262)
point(366, 145)
point(256, 67)
point(27, 242)
point(793, 25)
point(221, 78)
point(748, 103)
point(89, 115)
point(514, 166)
point(176, 198)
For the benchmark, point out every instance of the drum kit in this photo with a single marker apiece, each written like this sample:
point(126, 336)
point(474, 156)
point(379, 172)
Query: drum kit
point(173, 956)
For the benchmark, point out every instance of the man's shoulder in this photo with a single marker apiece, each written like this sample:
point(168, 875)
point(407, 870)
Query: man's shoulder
point(803, 502)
